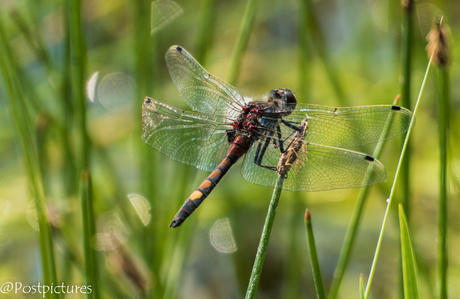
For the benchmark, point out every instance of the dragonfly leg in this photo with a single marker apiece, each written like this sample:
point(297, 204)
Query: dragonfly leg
point(288, 124)
point(280, 140)
point(261, 152)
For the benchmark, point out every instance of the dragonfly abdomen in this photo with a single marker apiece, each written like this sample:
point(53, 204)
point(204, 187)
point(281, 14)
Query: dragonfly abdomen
point(238, 148)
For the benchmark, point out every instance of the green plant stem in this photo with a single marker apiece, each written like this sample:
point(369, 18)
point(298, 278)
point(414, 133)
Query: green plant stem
point(407, 257)
point(293, 269)
point(319, 42)
point(206, 30)
point(390, 198)
point(443, 119)
point(407, 33)
point(78, 63)
point(88, 232)
point(407, 53)
point(78, 68)
point(264, 238)
point(350, 236)
point(22, 122)
point(304, 53)
point(314, 258)
point(242, 40)
point(146, 55)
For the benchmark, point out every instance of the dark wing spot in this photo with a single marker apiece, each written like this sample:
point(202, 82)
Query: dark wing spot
point(148, 100)
point(369, 158)
point(394, 107)
point(179, 49)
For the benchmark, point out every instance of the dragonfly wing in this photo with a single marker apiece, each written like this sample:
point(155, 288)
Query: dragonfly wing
point(202, 91)
point(350, 126)
point(192, 138)
point(317, 168)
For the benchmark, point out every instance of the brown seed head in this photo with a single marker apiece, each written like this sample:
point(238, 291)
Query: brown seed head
point(438, 45)
point(407, 5)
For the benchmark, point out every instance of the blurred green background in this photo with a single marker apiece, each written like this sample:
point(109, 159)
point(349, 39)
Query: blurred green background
point(351, 56)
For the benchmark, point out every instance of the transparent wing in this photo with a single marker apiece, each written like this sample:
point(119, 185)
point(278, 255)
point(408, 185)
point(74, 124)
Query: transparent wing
point(349, 126)
point(192, 138)
point(202, 91)
point(317, 168)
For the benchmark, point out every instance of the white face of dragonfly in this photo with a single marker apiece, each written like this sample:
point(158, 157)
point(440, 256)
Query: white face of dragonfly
point(283, 101)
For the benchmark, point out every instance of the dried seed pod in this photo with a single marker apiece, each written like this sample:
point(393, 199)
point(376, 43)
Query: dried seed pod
point(438, 45)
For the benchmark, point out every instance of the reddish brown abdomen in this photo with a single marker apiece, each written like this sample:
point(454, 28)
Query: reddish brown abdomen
point(238, 148)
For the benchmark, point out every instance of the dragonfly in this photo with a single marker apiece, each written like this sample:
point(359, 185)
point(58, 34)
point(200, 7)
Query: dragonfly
point(224, 126)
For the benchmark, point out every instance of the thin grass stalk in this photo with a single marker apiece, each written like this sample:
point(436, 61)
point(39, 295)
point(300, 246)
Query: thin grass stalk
point(318, 40)
point(304, 50)
point(408, 259)
point(88, 229)
point(361, 286)
point(264, 238)
point(438, 47)
point(61, 83)
point(78, 68)
point(147, 79)
point(33, 39)
point(350, 236)
point(443, 118)
point(407, 54)
point(179, 250)
point(22, 121)
point(314, 258)
point(78, 59)
point(293, 269)
point(242, 40)
point(205, 31)
point(390, 198)
point(70, 172)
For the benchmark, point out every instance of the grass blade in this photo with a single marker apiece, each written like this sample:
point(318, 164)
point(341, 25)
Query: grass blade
point(407, 54)
point(318, 40)
point(78, 68)
point(314, 258)
point(304, 53)
point(361, 286)
point(264, 238)
point(438, 47)
point(390, 198)
point(350, 236)
point(22, 121)
point(242, 40)
point(88, 232)
point(206, 30)
point(408, 259)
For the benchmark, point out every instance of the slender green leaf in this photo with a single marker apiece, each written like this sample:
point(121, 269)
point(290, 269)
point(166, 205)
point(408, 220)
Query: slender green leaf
point(264, 238)
point(242, 40)
point(390, 198)
point(408, 259)
point(350, 236)
point(314, 258)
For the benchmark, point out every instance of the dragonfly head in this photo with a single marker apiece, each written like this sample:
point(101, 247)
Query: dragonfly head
point(283, 97)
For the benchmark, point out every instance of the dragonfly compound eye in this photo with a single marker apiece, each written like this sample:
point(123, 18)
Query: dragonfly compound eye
point(290, 97)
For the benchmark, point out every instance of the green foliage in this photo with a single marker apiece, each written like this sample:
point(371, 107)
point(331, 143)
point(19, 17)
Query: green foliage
point(61, 226)
point(409, 265)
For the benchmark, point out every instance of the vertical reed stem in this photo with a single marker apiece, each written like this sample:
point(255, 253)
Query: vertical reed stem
point(264, 238)
point(242, 40)
point(443, 207)
point(314, 257)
